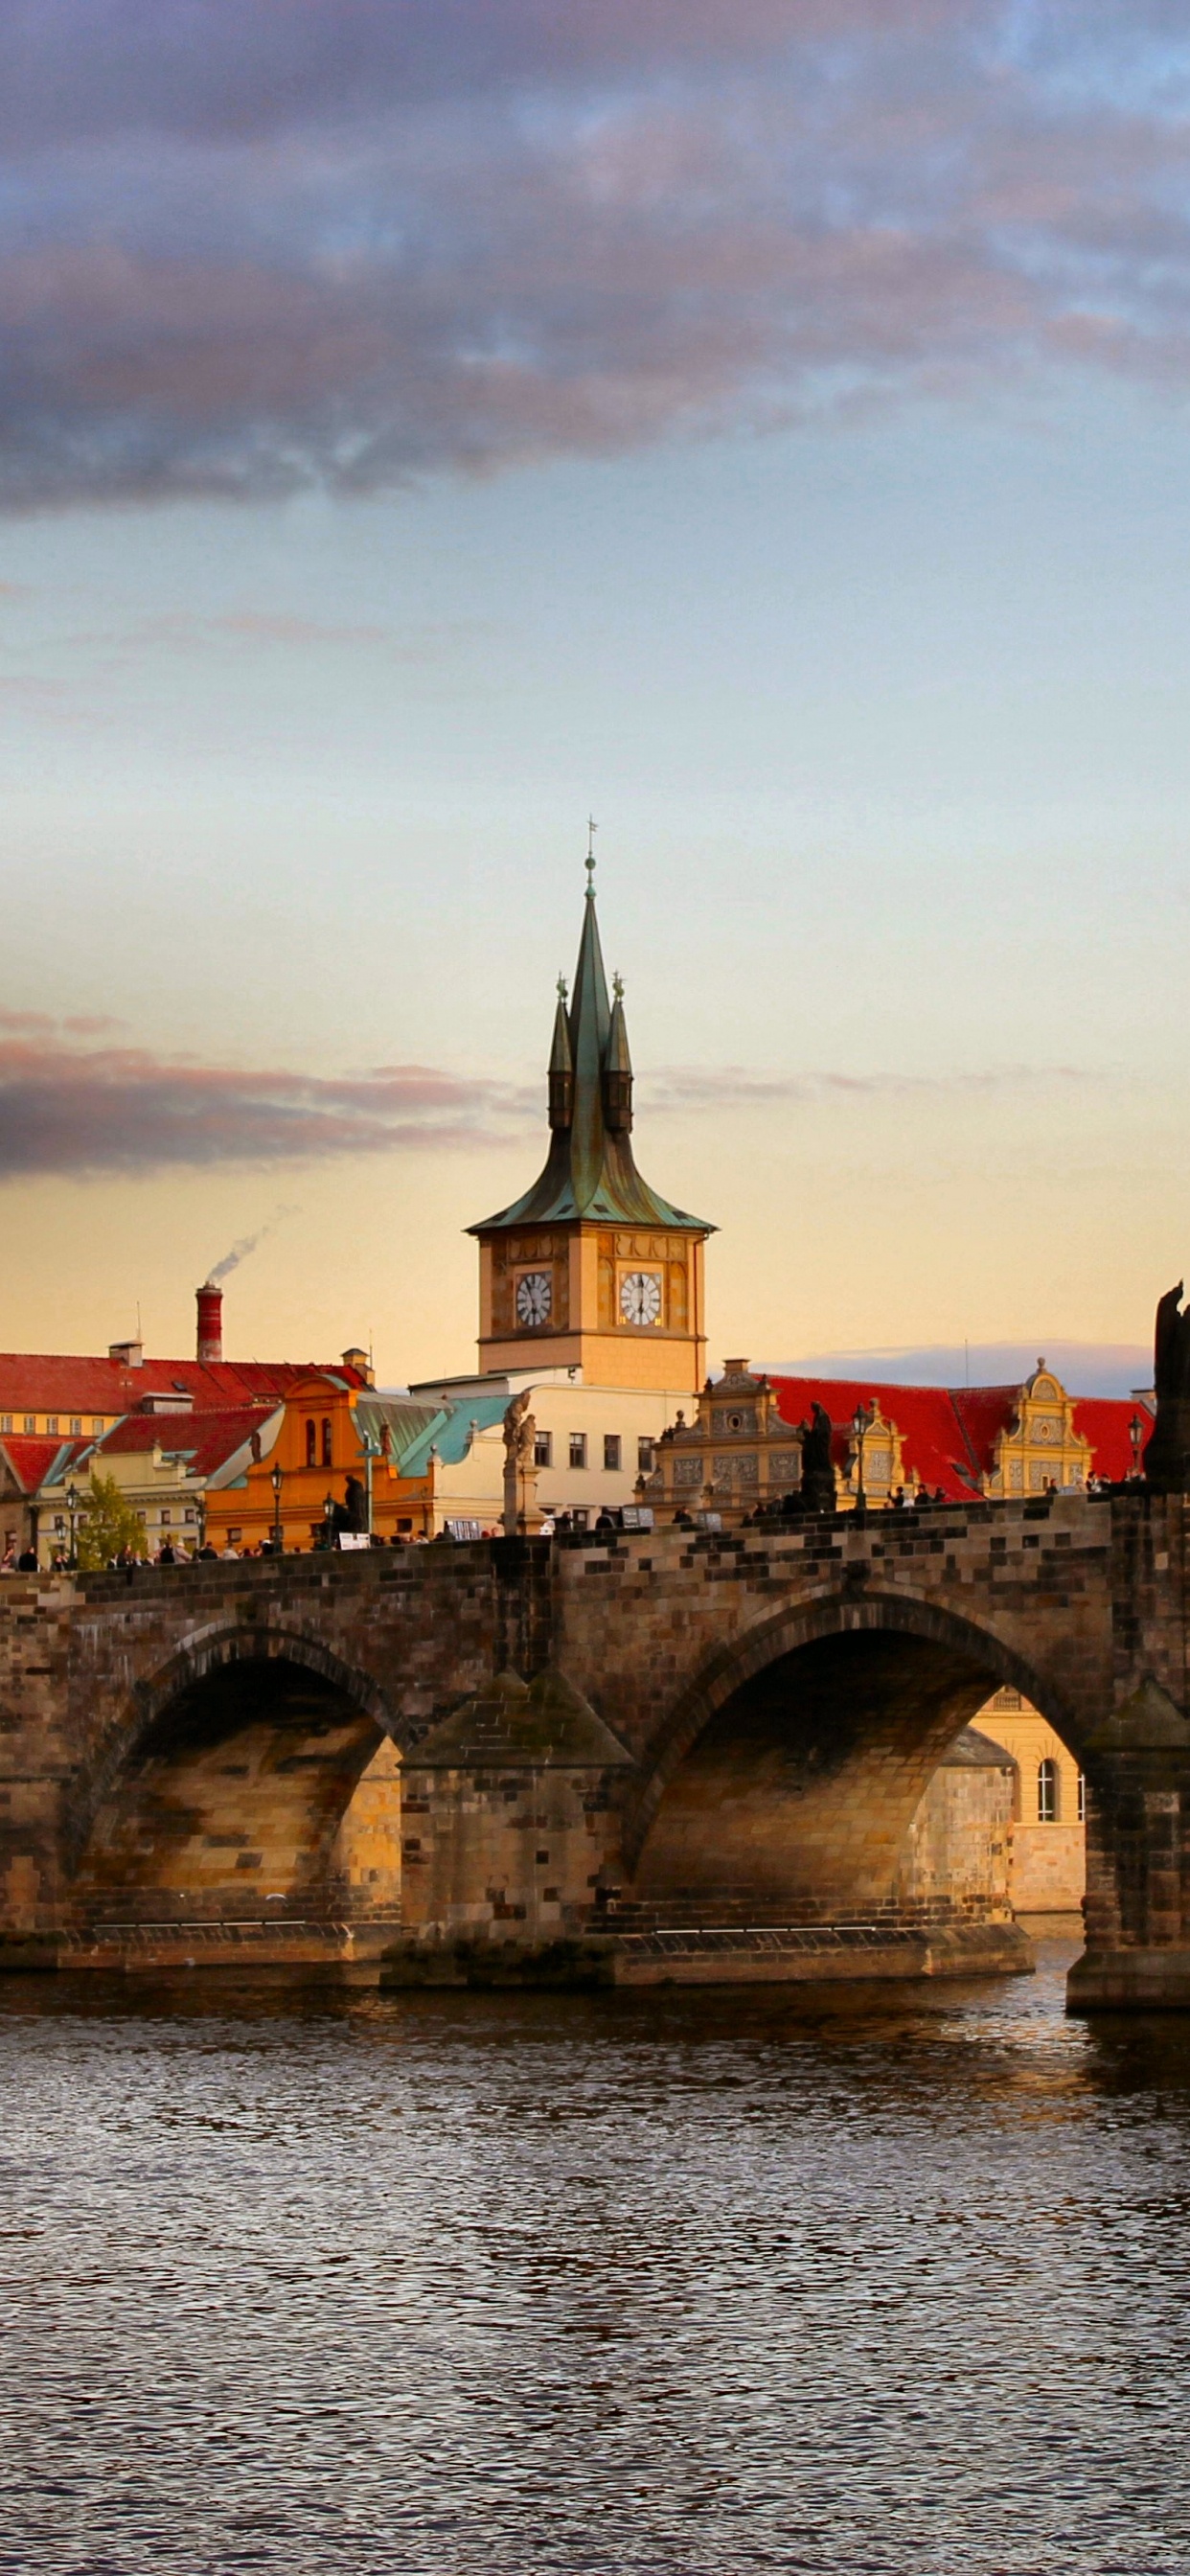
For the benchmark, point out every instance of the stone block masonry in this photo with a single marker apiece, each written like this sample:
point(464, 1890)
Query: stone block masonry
point(726, 1731)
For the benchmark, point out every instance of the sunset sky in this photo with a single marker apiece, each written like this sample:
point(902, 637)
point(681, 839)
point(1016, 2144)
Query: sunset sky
point(762, 423)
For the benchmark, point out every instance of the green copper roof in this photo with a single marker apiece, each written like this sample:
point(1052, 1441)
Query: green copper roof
point(590, 1170)
point(448, 1430)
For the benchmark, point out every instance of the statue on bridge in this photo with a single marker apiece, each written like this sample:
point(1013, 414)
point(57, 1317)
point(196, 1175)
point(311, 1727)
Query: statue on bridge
point(1167, 1456)
point(818, 1474)
point(520, 1468)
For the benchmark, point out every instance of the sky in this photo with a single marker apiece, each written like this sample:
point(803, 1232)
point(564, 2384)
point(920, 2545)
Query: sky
point(762, 424)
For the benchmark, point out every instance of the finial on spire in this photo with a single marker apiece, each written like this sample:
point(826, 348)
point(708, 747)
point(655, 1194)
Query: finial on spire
point(592, 828)
point(618, 987)
point(561, 988)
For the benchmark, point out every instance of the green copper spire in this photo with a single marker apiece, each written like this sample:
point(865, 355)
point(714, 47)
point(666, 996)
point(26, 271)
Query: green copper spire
point(590, 1171)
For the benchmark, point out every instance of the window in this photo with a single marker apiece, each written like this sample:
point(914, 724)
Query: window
point(611, 1452)
point(30, 1422)
point(166, 1518)
point(644, 1457)
point(543, 1449)
point(579, 1520)
point(311, 1444)
point(76, 1424)
point(97, 1424)
point(234, 1537)
point(326, 1445)
point(189, 1512)
point(1047, 1792)
point(5, 1421)
point(59, 1523)
point(51, 1422)
point(1082, 1799)
point(578, 1448)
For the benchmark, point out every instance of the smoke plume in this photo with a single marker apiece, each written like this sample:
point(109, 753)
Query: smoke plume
point(247, 1243)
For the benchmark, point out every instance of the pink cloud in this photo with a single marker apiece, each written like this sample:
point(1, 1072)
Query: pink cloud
point(484, 235)
point(66, 1108)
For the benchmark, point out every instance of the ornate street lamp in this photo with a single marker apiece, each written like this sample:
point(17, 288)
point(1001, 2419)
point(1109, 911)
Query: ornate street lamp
point(861, 1423)
point(328, 1514)
point(276, 1480)
point(72, 1506)
point(1136, 1434)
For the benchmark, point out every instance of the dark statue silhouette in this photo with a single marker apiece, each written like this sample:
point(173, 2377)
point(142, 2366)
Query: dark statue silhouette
point(818, 1475)
point(1165, 1459)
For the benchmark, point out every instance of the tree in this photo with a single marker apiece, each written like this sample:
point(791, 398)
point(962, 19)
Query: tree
point(111, 1524)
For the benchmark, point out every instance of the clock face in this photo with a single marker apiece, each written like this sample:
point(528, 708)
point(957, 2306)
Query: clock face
point(640, 1297)
point(534, 1297)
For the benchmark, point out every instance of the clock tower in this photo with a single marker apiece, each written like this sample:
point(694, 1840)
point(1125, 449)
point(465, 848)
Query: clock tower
point(592, 1269)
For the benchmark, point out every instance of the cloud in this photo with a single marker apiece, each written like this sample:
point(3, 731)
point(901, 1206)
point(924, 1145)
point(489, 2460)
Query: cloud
point(1085, 1368)
point(67, 1107)
point(692, 1088)
point(338, 243)
point(74, 1109)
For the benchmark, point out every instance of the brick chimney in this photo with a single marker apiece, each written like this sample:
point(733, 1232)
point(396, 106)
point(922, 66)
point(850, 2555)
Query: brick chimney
point(210, 1322)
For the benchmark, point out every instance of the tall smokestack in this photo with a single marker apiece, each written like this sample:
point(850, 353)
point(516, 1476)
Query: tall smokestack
point(210, 1322)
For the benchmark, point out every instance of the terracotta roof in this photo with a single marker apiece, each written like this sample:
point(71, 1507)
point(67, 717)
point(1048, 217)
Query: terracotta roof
point(54, 1382)
point(31, 1461)
point(949, 1433)
point(203, 1441)
point(1104, 1420)
point(935, 1450)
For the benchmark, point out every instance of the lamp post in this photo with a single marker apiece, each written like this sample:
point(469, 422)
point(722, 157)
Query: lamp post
point(371, 1449)
point(276, 1480)
point(328, 1515)
point(72, 1506)
point(861, 1423)
point(1135, 1434)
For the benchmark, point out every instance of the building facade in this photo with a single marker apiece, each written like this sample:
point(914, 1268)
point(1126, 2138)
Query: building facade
point(742, 1448)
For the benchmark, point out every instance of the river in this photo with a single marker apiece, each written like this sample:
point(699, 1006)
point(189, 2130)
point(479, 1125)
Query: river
point(338, 2283)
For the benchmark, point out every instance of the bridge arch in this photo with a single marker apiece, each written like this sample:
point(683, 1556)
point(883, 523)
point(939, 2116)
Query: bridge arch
point(797, 1755)
point(226, 1784)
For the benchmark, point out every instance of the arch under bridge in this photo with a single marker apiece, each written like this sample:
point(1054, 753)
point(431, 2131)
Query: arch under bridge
point(654, 1755)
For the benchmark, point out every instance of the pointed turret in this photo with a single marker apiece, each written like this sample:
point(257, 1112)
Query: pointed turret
point(561, 1065)
point(617, 1075)
point(590, 1171)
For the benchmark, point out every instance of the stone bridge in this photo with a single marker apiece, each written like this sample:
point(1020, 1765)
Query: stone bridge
point(673, 1754)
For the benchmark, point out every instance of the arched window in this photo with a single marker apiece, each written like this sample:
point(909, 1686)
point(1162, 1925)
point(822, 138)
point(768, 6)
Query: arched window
point(1082, 1799)
point(311, 1444)
point(1047, 1792)
point(326, 1444)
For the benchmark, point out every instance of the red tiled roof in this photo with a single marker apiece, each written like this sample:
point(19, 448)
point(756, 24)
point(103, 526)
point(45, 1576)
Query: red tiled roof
point(949, 1434)
point(934, 1448)
point(1104, 1420)
point(31, 1460)
point(56, 1383)
point(203, 1440)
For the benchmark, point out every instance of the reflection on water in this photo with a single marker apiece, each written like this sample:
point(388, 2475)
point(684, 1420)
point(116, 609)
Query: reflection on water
point(638, 2282)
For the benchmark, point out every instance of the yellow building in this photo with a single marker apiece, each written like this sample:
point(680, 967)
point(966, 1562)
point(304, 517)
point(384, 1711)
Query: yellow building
point(592, 1269)
point(1047, 1868)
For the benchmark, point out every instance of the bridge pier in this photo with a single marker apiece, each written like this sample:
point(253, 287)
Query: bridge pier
point(1138, 1859)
